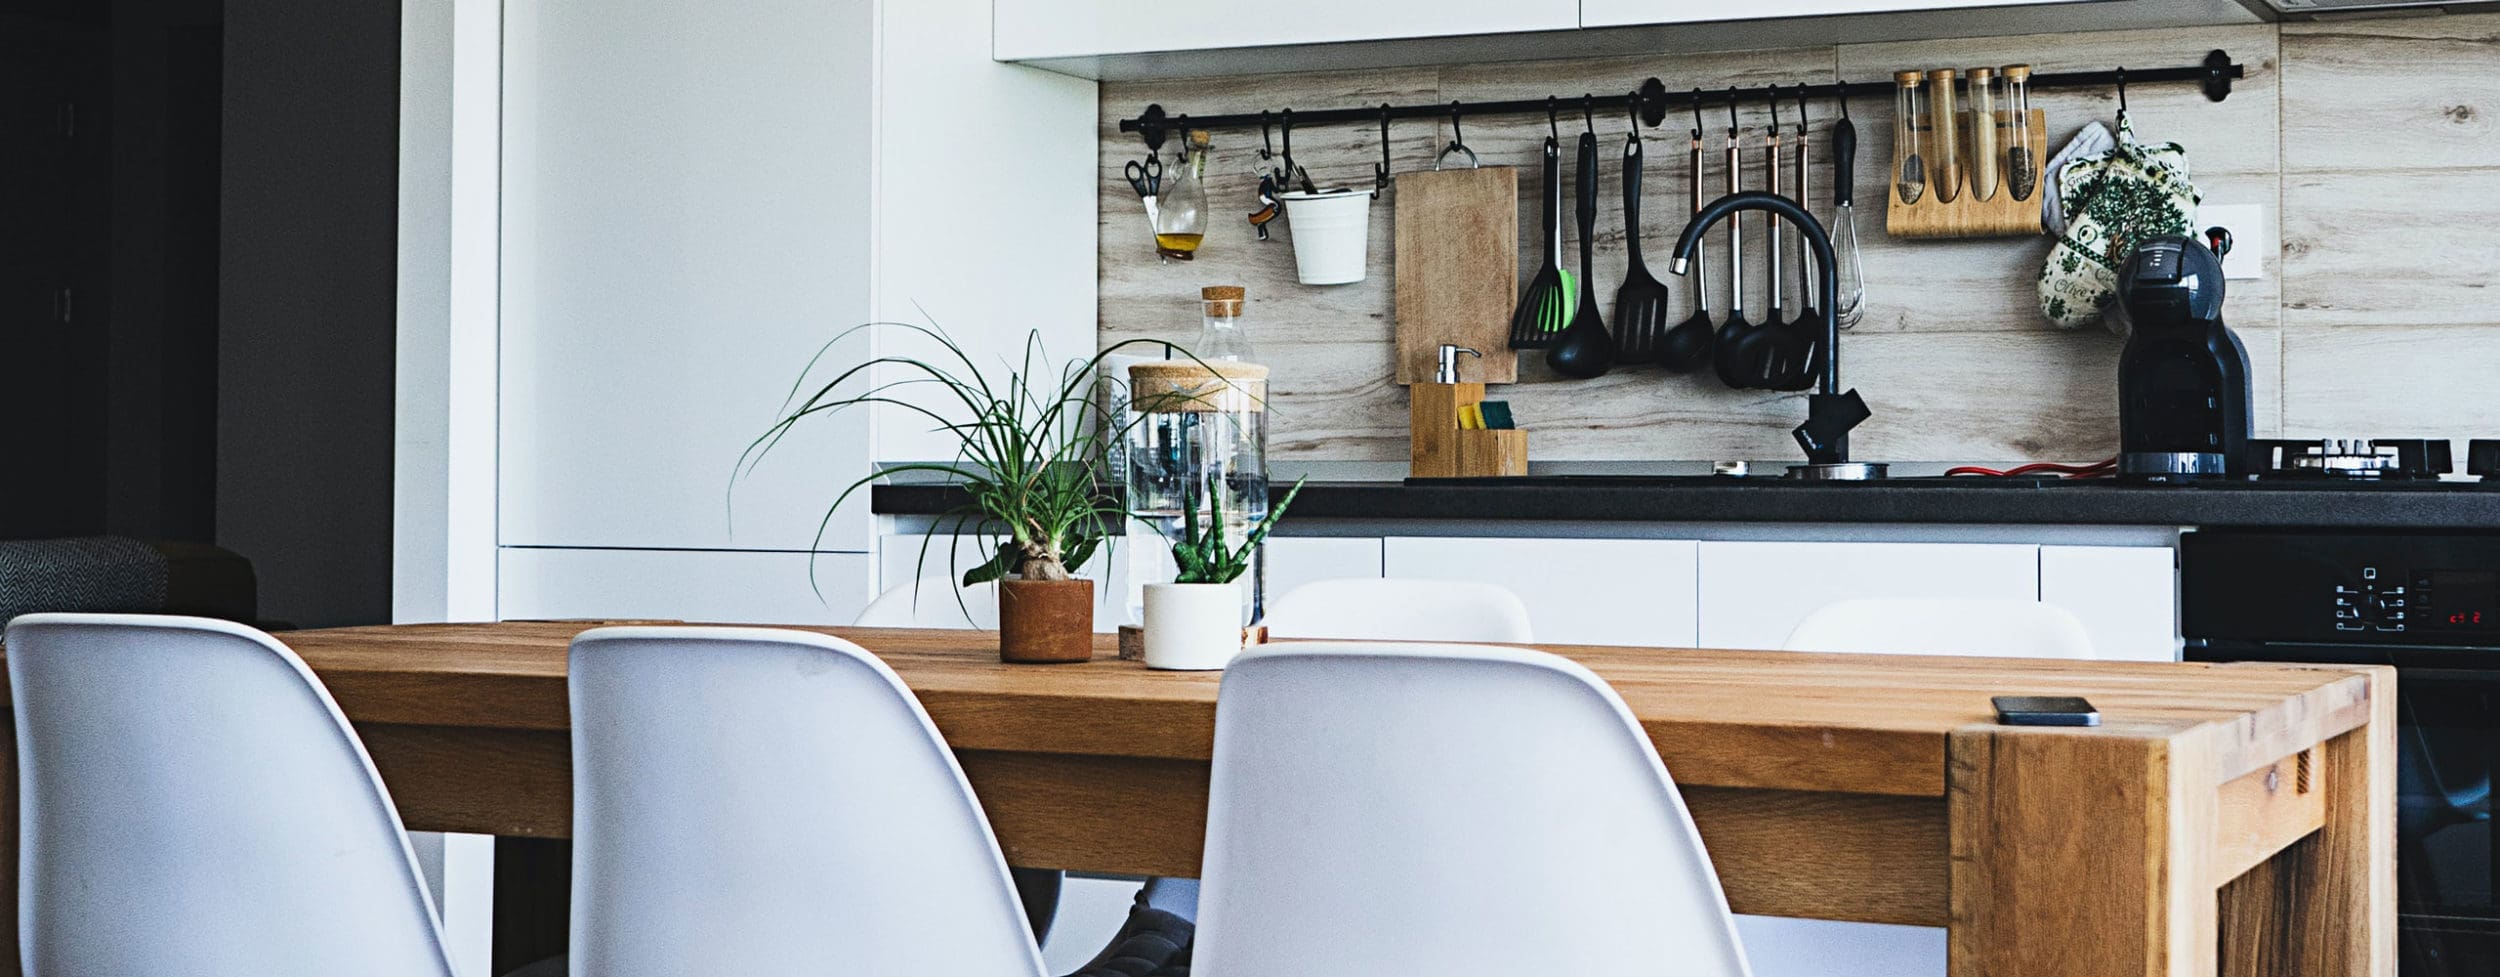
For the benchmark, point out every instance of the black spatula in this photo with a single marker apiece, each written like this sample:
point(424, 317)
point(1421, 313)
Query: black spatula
point(1545, 307)
point(1641, 305)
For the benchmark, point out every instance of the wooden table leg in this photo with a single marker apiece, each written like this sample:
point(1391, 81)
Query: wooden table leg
point(2327, 906)
point(2078, 855)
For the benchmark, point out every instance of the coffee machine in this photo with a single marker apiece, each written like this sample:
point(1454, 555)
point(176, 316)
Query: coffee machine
point(2183, 395)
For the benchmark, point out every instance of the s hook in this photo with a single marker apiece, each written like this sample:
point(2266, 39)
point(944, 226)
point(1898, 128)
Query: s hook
point(1380, 170)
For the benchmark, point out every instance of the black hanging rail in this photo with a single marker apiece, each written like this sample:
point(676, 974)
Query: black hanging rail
point(1653, 100)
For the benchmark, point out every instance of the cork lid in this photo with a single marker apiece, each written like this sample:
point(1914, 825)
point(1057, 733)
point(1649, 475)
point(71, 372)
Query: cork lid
point(1941, 74)
point(1909, 77)
point(1223, 293)
point(2017, 72)
point(1981, 74)
point(1189, 386)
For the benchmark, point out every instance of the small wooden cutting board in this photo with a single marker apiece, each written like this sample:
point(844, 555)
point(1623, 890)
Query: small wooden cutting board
point(1457, 271)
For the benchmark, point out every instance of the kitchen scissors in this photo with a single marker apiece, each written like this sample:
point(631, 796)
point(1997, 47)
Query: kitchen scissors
point(1146, 176)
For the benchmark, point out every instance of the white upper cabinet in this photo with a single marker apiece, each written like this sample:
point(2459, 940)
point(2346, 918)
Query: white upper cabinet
point(1626, 13)
point(1039, 29)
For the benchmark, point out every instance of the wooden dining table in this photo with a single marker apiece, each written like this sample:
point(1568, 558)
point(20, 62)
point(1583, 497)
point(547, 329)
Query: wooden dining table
point(2222, 819)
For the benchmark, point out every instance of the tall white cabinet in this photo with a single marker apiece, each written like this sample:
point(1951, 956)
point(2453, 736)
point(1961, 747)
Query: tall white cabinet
point(696, 199)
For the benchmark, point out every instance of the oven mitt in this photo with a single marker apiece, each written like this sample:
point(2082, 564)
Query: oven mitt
point(2112, 202)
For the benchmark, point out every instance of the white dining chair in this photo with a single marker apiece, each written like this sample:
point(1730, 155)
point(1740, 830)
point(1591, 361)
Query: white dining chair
point(192, 802)
point(1375, 609)
point(1454, 810)
point(773, 804)
point(1976, 628)
point(933, 602)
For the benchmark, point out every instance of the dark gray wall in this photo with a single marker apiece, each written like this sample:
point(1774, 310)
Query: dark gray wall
point(308, 304)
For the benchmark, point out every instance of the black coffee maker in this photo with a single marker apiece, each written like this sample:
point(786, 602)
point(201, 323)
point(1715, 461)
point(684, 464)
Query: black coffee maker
point(2183, 397)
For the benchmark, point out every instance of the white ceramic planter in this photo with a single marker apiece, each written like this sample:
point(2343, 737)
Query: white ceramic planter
point(1192, 626)
point(1331, 235)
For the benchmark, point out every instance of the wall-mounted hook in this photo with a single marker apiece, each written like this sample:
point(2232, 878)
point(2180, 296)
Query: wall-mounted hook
point(2218, 75)
point(1732, 128)
point(1636, 108)
point(1775, 112)
point(1380, 170)
point(1801, 109)
point(1697, 124)
point(1844, 100)
point(1458, 143)
point(1650, 103)
point(1150, 126)
point(1553, 129)
point(1588, 111)
point(2122, 92)
point(1285, 180)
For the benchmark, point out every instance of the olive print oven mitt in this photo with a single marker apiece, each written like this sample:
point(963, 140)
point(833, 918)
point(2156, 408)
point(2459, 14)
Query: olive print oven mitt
point(2112, 201)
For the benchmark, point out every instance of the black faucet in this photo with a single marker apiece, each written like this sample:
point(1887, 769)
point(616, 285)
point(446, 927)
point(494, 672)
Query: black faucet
point(1829, 413)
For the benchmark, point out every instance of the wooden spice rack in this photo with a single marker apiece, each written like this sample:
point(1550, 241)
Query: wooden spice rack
point(1967, 216)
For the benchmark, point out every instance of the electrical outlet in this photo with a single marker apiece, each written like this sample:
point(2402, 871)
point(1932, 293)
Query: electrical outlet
point(2252, 239)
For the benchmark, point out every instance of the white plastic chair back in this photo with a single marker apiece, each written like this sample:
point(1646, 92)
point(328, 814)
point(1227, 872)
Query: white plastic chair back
point(1373, 609)
point(773, 804)
point(931, 602)
point(1452, 810)
point(1977, 628)
point(193, 803)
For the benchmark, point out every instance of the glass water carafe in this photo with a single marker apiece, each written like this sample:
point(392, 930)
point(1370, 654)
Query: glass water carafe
point(1195, 424)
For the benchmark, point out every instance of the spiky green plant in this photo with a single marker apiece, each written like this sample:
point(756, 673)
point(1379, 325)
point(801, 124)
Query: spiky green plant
point(1027, 456)
point(1201, 551)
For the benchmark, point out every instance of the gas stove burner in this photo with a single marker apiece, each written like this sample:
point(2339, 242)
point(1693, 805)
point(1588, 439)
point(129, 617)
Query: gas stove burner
point(2381, 459)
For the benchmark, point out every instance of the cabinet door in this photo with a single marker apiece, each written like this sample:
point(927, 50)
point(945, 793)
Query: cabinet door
point(1578, 591)
point(2127, 596)
point(1753, 594)
point(681, 585)
point(1619, 13)
point(679, 236)
point(1296, 560)
point(1031, 29)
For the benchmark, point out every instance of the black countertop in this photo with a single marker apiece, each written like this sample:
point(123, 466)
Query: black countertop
point(1961, 501)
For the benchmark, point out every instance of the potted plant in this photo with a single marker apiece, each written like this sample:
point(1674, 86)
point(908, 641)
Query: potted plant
point(1195, 621)
point(1028, 447)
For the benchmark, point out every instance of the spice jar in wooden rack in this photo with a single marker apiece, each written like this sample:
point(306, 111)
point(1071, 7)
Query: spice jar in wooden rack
point(1452, 437)
point(1965, 172)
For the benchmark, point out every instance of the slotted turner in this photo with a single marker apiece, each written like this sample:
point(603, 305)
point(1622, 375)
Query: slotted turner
point(1641, 305)
point(1546, 306)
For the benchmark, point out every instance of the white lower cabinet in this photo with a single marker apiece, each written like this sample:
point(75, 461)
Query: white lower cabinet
point(1296, 560)
point(2127, 596)
point(735, 587)
point(1578, 591)
point(1754, 593)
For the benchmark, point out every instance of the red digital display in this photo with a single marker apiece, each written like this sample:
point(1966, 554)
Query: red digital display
point(2465, 599)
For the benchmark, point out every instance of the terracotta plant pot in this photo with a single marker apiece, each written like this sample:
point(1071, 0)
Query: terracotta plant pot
point(1045, 621)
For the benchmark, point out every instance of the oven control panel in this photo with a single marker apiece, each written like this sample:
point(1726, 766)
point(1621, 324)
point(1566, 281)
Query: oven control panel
point(2371, 588)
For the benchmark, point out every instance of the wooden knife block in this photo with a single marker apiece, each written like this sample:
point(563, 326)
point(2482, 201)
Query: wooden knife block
point(1442, 450)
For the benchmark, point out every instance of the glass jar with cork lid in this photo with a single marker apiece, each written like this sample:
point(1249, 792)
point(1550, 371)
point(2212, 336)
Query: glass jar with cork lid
point(1197, 441)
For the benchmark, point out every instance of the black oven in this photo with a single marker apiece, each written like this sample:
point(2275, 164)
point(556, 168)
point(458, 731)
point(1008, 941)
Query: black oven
point(2428, 604)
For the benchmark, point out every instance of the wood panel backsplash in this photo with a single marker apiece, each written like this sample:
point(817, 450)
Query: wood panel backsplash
point(2376, 315)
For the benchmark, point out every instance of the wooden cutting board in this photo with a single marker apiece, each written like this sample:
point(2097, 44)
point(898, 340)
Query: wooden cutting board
point(1457, 271)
